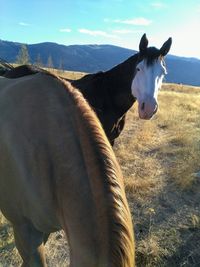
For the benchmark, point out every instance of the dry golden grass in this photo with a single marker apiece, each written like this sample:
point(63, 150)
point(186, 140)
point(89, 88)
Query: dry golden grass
point(183, 138)
point(161, 167)
point(67, 74)
point(160, 161)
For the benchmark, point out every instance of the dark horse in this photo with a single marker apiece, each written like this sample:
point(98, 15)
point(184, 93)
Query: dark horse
point(113, 92)
point(58, 170)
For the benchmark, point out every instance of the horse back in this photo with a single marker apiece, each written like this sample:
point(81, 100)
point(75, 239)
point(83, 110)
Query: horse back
point(35, 136)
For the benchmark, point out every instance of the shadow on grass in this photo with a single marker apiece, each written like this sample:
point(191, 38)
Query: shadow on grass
point(7, 247)
point(4, 227)
point(188, 253)
point(168, 237)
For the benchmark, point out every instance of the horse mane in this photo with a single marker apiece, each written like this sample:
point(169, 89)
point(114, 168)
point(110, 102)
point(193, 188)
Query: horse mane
point(151, 54)
point(122, 243)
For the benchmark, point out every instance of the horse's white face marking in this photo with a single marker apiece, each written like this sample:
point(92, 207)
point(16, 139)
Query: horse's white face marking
point(145, 86)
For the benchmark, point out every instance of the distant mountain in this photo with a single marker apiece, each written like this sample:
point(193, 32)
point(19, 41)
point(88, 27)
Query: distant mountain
point(183, 70)
point(93, 58)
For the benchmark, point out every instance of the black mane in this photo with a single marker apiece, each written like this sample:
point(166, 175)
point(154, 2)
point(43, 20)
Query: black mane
point(150, 55)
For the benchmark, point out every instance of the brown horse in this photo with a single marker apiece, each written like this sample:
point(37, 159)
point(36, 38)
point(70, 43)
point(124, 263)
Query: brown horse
point(58, 170)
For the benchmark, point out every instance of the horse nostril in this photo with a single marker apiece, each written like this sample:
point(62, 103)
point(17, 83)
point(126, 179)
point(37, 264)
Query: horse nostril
point(143, 105)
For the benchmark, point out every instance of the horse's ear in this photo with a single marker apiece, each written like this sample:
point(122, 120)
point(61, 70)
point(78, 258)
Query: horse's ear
point(166, 47)
point(143, 43)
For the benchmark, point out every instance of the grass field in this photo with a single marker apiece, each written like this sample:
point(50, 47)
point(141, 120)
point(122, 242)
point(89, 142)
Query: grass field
point(160, 160)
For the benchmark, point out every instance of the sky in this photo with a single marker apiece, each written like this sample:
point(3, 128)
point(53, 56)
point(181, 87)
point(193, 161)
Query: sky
point(116, 22)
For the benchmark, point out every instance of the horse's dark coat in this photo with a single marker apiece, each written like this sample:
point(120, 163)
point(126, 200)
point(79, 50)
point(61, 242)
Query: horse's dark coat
point(109, 93)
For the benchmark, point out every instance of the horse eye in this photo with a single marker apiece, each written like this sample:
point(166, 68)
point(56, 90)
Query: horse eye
point(138, 69)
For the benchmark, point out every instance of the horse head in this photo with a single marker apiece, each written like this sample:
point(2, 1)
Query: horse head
point(150, 72)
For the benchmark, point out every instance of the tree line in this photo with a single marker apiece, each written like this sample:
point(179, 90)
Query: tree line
point(24, 58)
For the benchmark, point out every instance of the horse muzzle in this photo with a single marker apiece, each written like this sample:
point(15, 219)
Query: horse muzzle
point(147, 110)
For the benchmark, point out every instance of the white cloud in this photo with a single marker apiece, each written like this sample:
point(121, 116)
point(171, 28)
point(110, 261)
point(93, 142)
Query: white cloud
point(24, 24)
point(158, 5)
point(65, 30)
point(97, 33)
point(135, 21)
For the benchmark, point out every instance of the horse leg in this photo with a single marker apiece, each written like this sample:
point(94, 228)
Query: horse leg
point(29, 243)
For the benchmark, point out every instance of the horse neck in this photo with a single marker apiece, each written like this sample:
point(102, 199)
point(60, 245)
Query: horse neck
point(119, 79)
point(89, 84)
point(123, 74)
point(115, 82)
point(94, 212)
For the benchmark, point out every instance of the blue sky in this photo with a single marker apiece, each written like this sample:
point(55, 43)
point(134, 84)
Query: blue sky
point(117, 22)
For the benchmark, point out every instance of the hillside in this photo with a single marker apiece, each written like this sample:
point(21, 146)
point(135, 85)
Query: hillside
point(84, 58)
point(160, 164)
point(183, 70)
point(94, 58)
